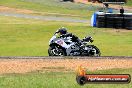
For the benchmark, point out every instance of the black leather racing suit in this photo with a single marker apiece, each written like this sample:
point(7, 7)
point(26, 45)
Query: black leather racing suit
point(74, 38)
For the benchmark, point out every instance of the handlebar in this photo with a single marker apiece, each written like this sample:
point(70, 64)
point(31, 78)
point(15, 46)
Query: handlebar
point(88, 39)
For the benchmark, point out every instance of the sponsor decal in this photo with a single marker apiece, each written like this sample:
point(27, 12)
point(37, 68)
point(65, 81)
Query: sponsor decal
point(83, 78)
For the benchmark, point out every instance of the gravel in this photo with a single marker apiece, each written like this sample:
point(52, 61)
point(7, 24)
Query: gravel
point(42, 65)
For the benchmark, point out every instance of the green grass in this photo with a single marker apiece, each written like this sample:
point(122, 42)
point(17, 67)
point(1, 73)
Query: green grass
point(129, 3)
point(54, 6)
point(56, 80)
point(51, 6)
point(28, 37)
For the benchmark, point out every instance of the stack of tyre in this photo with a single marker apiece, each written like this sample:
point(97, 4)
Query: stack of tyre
point(128, 21)
point(114, 21)
point(100, 21)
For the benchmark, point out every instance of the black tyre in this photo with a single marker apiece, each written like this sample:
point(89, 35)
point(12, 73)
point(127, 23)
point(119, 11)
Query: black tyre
point(56, 51)
point(128, 23)
point(94, 51)
point(100, 24)
point(129, 28)
point(72, 0)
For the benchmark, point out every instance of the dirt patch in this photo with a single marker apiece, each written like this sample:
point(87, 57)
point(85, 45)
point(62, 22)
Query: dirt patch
point(25, 11)
point(32, 65)
point(8, 9)
point(115, 31)
point(128, 8)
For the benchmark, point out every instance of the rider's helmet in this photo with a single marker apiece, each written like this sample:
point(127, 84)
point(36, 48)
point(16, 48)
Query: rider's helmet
point(62, 30)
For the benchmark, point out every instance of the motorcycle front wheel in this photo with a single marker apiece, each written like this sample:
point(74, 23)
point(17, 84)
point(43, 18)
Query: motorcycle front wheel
point(94, 51)
point(56, 51)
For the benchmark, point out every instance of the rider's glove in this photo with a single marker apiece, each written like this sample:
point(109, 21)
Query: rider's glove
point(57, 31)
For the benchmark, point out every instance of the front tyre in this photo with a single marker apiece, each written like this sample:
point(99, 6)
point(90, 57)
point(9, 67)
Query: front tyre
point(56, 51)
point(94, 51)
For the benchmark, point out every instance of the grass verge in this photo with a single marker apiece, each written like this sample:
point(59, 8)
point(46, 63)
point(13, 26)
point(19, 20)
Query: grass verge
point(56, 80)
point(28, 37)
point(129, 3)
point(52, 6)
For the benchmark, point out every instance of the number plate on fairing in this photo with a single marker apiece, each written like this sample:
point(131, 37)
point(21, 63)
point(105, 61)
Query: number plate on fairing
point(60, 42)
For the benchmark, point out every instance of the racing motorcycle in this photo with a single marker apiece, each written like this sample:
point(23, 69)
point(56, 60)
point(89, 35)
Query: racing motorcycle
point(64, 46)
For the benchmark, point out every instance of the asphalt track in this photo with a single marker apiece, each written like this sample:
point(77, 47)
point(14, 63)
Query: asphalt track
point(66, 57)
point(47, 18)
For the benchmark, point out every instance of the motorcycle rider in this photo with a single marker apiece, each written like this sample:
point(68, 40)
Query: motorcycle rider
point(63, 43)
point(62, 32)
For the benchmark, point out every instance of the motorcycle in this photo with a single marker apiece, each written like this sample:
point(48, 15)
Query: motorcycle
point(64, 46)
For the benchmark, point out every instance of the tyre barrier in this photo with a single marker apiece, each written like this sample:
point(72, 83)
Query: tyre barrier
point(114, 21)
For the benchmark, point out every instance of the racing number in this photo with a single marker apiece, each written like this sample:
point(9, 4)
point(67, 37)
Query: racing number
point(60, 42)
